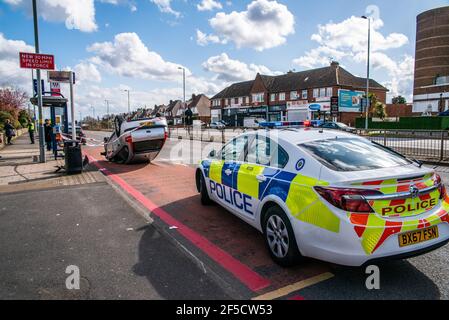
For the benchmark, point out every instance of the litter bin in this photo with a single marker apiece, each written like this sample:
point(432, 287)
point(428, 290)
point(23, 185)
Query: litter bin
point(73, 157)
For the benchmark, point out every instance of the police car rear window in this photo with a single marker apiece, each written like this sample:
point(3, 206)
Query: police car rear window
point(349, 154)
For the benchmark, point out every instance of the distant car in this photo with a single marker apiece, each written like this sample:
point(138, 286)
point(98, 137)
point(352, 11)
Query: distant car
point(137, 140)
point(80, 135)
point(444, 114)
point(338, 126)
point(226, 124)
point(217, 125)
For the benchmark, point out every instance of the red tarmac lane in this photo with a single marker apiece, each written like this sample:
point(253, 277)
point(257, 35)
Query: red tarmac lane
point(228, 246)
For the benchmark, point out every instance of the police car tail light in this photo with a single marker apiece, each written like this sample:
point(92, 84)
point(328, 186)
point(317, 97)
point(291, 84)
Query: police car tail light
point(351, 200)
point(129, 139)
point(440, 185)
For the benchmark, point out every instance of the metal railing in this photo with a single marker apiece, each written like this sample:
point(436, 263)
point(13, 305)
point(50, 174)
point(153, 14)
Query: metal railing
point(425, 145)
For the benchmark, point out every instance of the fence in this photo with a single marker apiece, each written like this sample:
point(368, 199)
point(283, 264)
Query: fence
point(425, 145)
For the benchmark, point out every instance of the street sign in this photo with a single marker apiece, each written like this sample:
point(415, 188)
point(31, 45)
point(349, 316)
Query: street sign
point(55, 88)
point(334, 106)
point(35, 86)
point(37, 61)
point(60, 76)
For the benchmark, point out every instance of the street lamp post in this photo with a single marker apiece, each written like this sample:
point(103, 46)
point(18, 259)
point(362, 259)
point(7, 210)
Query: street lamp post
point(107, 110)
point(129, 106)
point(368, 102)
point(39, 89)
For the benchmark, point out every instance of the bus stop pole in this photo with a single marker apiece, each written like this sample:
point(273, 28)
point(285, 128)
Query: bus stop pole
point(72, 107)
point(39, 89)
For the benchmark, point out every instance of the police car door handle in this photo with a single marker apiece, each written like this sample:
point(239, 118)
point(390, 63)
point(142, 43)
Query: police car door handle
point(261, 178)
point(228, 172)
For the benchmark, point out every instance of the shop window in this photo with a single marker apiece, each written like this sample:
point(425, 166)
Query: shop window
point(304, 94)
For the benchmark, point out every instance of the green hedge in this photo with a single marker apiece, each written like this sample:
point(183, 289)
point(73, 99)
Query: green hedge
point(417, 123)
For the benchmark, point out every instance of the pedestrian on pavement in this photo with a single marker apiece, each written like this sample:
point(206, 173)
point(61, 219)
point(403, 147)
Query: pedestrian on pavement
point(31, 130)
point(48, 131)
point(10, 131)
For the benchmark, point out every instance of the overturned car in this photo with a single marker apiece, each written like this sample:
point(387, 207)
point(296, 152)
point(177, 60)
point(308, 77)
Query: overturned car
point(136, 140)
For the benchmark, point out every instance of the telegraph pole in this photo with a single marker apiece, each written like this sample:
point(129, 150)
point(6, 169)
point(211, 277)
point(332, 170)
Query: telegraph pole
point(39, 89)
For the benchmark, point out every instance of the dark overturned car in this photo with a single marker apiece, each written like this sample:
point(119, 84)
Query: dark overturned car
point(136, 140)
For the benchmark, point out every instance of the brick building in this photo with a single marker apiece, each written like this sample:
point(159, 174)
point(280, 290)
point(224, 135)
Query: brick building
point(431, 86)
point(295, 96)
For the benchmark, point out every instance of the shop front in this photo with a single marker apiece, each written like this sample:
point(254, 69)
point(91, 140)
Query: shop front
point(277, 113)
point(302, 111)
point(245, 117)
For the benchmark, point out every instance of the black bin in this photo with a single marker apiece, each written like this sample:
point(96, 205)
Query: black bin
point(73, 157)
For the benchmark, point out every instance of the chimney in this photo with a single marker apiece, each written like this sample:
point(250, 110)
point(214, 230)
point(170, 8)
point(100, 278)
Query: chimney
point(335, 64)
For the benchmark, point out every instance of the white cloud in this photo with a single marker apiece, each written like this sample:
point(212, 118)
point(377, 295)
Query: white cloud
point(209, 5)
point(87, 71)
point(11, 75)
point(129, 57)
point(203, 39)
point(165, 7)
point(348, 41)
point(265, 24)
point(77, 14)
point(234, 70)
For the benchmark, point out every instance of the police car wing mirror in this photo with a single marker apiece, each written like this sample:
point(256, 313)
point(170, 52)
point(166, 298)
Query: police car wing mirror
point(212, 154)
point(105, 139)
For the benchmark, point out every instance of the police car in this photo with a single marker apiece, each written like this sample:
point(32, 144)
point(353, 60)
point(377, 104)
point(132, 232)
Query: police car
point(328, 195)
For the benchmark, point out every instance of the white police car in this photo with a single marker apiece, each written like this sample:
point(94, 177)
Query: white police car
point(328, 195)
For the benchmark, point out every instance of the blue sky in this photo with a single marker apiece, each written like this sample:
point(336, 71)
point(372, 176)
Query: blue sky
point(161, 35)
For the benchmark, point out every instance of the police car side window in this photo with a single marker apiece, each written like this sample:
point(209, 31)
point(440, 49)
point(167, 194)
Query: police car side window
point(234, 150)
point(266, 152)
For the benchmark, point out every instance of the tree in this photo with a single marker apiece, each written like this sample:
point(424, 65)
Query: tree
point(378, 109)
point(12, 101)
point(399, 100)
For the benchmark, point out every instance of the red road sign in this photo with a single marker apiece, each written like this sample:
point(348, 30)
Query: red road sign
point(37, 61)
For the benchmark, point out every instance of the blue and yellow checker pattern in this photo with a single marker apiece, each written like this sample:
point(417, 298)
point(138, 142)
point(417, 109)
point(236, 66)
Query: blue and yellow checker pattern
point(295, 190)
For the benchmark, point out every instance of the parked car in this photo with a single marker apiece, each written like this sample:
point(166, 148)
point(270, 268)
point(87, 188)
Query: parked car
point(338, 126)
point(217, 125)
point(137, 140)
point(444, 114)
point(328, 195)
point(226, 124)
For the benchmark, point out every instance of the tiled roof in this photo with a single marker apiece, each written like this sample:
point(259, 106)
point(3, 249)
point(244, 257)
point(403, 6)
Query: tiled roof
point(333, 75)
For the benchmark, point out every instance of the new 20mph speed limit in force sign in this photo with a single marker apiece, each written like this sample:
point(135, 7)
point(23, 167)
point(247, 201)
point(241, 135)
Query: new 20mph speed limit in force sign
point(37, 61)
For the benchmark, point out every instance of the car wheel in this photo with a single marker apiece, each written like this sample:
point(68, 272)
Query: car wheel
point(205, 200)
point(279, 238)
point(123, 156)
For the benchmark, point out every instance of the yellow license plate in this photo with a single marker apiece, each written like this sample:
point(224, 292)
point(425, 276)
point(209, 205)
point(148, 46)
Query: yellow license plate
point(418, 236)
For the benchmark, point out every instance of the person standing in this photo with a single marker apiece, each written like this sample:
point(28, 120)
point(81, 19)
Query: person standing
point(31, 130)
point(48, 131)
point(10, 131)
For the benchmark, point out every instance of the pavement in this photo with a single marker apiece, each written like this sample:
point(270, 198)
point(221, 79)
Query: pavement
point(50, 221)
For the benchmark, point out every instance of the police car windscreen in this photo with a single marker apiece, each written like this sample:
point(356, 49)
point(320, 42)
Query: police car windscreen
point(349, 154)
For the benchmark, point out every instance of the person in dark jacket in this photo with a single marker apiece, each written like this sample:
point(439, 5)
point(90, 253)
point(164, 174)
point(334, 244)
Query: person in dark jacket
point(9, 131)
point(31, 130)
point(48, 132)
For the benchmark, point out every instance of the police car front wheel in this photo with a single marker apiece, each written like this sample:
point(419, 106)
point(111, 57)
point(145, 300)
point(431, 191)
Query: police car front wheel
point(202, 189)
point(280, 238)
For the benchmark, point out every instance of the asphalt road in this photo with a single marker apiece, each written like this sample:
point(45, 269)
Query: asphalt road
point(119, 254)
point(423, 277)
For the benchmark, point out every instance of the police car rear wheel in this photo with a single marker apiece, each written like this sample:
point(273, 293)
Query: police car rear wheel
point(280, 238)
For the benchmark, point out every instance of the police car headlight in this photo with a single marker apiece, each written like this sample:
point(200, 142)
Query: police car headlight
point(350, 200)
